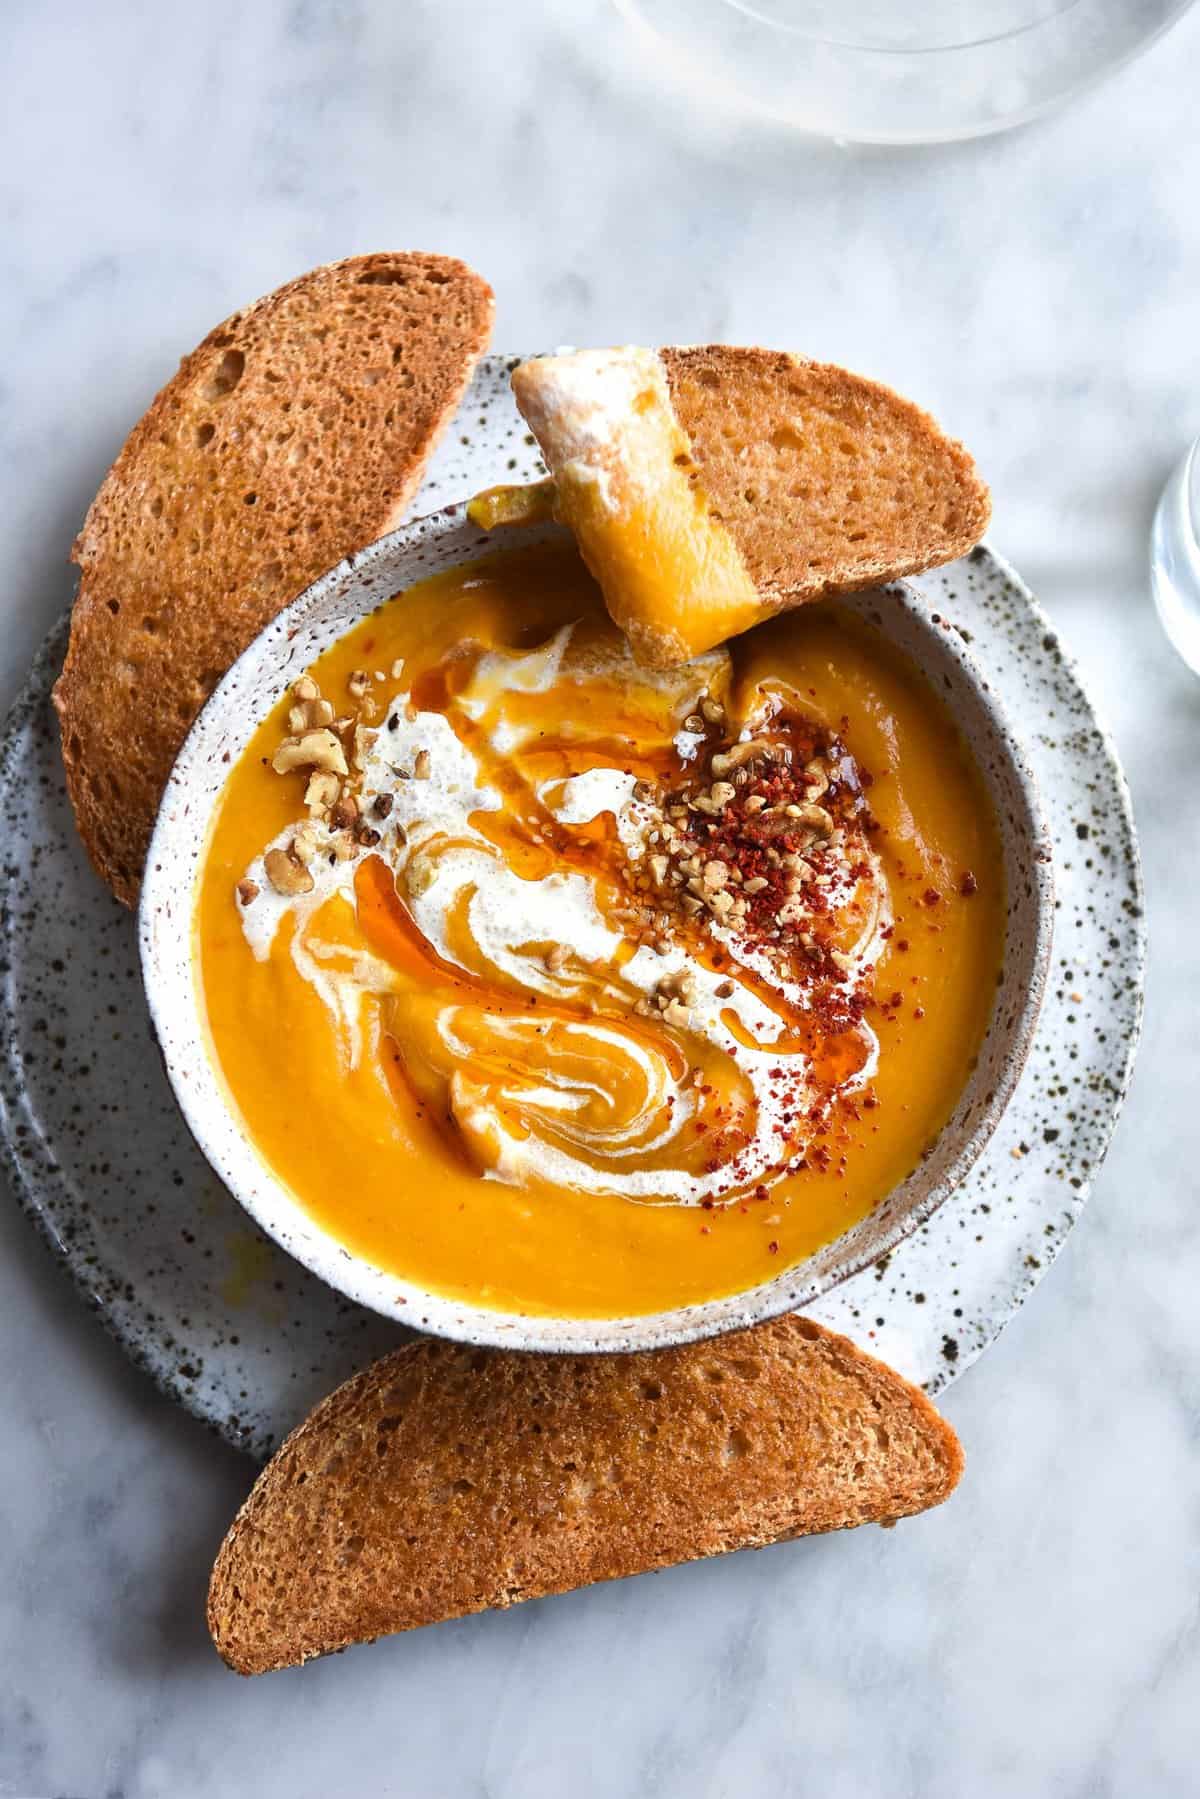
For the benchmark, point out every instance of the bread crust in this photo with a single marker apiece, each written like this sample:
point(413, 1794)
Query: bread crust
point(829, 483)
point(444, 1479)
point(294, 434)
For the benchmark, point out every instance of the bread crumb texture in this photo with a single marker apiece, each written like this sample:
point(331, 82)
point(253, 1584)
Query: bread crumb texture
point(296, 433)
point(446, 1479)
point(828, 483)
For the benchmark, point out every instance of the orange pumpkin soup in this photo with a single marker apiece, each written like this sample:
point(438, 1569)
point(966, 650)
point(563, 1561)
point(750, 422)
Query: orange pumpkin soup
point(557, 985)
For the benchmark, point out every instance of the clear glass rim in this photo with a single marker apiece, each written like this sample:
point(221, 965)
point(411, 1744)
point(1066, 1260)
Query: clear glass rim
point(918, 52)
point(1190, 479)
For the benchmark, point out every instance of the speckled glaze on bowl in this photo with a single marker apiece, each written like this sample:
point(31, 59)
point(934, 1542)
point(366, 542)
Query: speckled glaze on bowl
point(257, 680)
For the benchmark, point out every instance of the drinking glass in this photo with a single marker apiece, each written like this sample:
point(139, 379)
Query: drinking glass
point(898, 71)
point(1175, 558)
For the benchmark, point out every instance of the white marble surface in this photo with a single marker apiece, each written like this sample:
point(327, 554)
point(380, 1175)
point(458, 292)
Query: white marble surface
point(160, 165)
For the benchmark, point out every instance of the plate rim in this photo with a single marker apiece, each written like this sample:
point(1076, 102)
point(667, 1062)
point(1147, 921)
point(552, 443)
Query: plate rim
point(141, 1336)
point(1132, 846)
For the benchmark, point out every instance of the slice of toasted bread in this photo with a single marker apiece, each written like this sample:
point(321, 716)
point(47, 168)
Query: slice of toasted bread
point(816, 481)
point(296, 433)
point(445, 1479)
point(829, 483)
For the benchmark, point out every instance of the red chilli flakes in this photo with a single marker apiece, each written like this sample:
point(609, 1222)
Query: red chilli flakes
point(756, 843)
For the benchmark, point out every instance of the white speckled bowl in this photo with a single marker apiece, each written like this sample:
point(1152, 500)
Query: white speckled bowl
point(328, 608)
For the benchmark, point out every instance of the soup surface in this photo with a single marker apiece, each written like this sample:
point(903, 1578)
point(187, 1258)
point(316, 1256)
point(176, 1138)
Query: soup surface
point(558, 985)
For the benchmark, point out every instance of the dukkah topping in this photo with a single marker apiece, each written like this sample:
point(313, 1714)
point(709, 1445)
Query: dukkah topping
point(317, 743)
point(757, 844)
point(753, 844)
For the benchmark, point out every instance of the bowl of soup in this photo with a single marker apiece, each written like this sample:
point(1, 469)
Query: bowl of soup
point(532, 997)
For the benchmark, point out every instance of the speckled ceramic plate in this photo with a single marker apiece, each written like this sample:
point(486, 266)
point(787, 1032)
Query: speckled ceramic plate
point(290, 643)
point(243, 1336)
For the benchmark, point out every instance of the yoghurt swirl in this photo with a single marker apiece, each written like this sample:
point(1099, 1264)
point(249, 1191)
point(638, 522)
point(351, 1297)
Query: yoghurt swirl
point(510, 947)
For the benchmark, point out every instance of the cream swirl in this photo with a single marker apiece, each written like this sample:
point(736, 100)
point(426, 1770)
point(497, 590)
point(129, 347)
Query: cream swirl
point(513, 1009)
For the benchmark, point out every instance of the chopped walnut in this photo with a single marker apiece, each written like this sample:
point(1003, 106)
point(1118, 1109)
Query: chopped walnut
point(423, 765)
point(308, 715)
point(247, 890)
point(322, 792)
point(740, 754)
point(304, 846)
point(286, 875)
point(817, 777)
point(315, 749)
point(814, 817)
point(364, 742)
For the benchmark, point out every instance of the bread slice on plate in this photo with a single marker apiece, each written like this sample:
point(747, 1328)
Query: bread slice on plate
point(297, 432)
point(712, 486)
point(445, 1479)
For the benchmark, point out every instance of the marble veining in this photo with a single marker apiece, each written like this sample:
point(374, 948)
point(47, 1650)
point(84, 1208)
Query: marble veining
point(1038, 291)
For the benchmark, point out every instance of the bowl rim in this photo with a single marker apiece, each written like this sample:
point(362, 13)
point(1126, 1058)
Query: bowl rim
point(277, 1210)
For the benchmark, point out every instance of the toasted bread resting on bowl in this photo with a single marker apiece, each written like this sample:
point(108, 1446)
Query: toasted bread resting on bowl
point(295, 433)
point(710, 487)
point(445, 1480)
